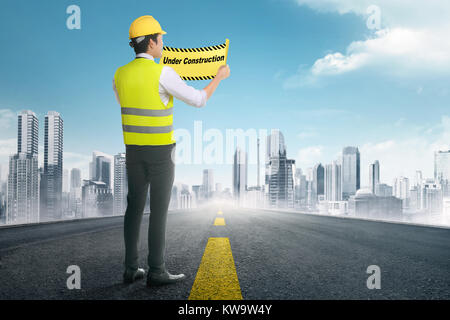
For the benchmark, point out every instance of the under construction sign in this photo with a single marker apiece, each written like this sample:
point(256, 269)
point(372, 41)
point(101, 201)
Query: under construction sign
point(196, 63)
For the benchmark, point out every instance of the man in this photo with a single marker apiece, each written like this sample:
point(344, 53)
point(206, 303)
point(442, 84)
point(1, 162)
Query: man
point(145, 91)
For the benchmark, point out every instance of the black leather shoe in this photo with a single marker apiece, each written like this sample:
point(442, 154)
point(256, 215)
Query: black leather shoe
point(129, 276)
point(157, 279)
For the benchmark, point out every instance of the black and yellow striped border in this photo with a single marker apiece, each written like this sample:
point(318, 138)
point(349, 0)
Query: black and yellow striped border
point(203, 49)
point(198, 78)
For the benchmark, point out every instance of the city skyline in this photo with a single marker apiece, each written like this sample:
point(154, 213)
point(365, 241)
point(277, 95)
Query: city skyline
point(336, 184)
point(388, 107)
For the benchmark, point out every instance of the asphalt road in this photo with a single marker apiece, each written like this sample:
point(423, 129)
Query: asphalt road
point(277, 255)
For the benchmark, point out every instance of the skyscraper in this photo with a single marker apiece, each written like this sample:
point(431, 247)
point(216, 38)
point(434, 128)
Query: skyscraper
point(418, 178)
point(120, 184)
point(75, 178)
point(401, 187)
point(52, 177)
point(442, 165)
point(27, 132)
point(257, 167)
point(300, 188)
point(430, 196)
point(208, 183)
point(103, 170)
point(333, 181)
point(100, 169)
point(318, 180)
point(401, 190)
point(374, 175)
point(66, 181)
point(75, 203)
point(23, 189)
point(23, 178)
point(275, 144)
point(240, 166)
point(279, 172)
point(350, 171)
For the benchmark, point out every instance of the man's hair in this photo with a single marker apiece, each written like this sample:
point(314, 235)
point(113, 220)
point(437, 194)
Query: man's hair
point(140, 44)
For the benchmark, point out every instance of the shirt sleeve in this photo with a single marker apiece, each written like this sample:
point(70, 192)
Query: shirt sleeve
point(115, 91)
point(175, 86)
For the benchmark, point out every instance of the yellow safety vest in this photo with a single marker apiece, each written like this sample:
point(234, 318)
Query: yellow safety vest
point(145, 118)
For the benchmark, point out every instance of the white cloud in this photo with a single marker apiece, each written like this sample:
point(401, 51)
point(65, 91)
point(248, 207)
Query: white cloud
point(309, 156)
point(413, 41)
point(404, 156)
point(7, 118)
point(8, 147)
point(416, 13)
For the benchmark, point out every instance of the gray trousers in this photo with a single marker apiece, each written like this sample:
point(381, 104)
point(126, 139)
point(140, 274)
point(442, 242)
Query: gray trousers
point(148, 166)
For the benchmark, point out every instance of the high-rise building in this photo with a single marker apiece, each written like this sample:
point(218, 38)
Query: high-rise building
point(3, 197)
point(196, 192)
point(52, 177)
point(66, 181)
point(75, 198)
point(318, 183)
point(240, 167)
point(418, 178)
point(333, 181)
point(350, 171)
point(300, 188)
point(279, 173)
point(401, 190)
point(374, 175)
point(103, 170)
point(442, 165)
point(23, 189)
point(75, 178)
point(23, 178)
point(181, 197)
point(120, 184)
point(430, 196)
point(208, 183)
point(275, 144)
point(257, 166)
point(100, 168)
point(401, 187)
point(27, 132)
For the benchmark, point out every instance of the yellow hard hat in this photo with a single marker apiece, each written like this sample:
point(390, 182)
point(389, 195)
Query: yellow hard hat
point(145, 25)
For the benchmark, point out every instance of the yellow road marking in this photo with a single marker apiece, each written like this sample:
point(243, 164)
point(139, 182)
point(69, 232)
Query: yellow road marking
point(216, 277)
point(219, 222)
point(219, 212)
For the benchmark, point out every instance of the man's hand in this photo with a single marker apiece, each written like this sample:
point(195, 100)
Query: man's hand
point(223, 72)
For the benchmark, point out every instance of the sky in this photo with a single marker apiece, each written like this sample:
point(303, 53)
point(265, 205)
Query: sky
point(327, 73)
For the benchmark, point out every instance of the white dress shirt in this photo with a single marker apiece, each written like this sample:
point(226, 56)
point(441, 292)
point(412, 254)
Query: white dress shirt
point(170, 83)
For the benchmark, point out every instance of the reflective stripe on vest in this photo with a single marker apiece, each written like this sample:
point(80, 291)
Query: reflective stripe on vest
point(145, 118)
